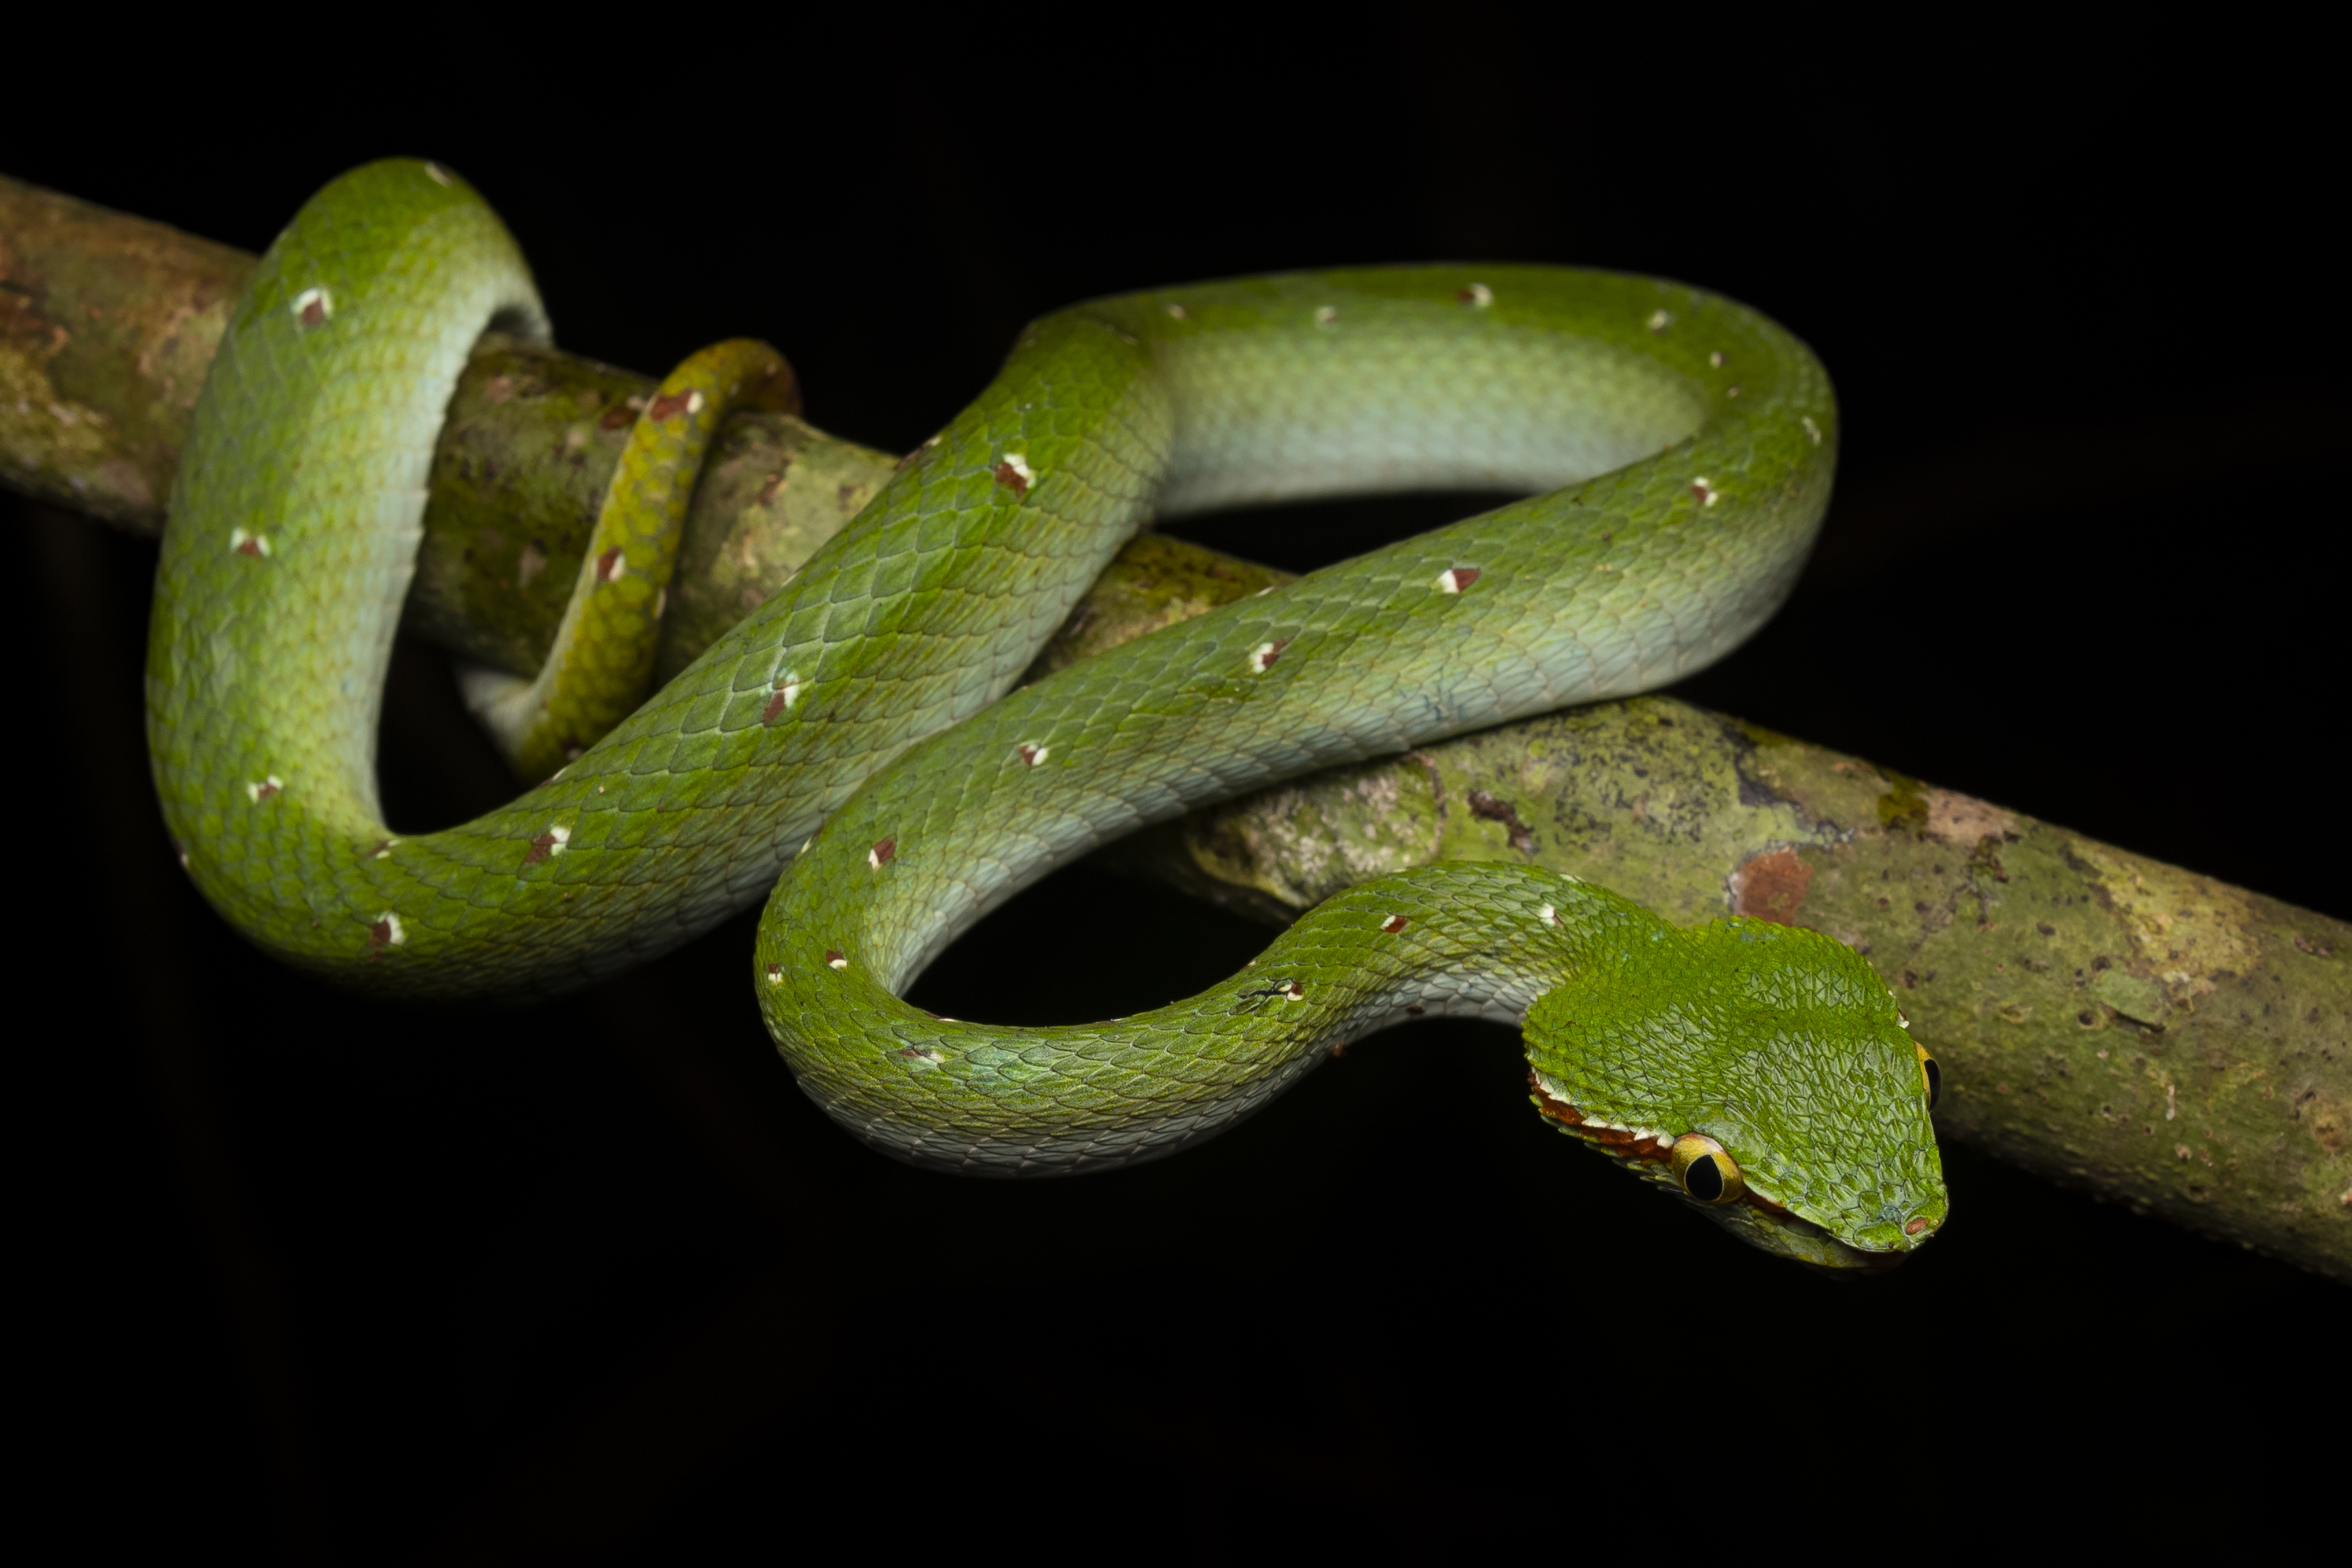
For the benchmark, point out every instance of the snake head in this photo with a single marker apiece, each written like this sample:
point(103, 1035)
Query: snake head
point(1762, 1072)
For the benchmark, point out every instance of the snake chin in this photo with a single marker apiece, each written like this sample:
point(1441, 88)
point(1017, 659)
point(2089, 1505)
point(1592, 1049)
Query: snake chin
point(1785, 1235)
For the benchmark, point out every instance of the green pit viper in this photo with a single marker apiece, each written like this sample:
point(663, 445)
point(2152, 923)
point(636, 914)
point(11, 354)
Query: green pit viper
point(852, 748)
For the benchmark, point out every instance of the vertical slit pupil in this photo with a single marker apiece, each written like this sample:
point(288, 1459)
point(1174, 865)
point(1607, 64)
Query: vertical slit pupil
point(1704, 1180)
point(1935, 1082)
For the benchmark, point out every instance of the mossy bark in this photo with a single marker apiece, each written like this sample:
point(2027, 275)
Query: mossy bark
point(2158, 1038)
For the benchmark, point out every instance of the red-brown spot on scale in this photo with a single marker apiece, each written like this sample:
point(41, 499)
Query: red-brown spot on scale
point(776, 704)
point(1031, 752)
point(670, 405)
point(265, 789)
point(618, 417)
point(1265, 656)
point(610, 565)
point(883, 853)
point(1011, 478)
point(1395, 923)
point(249, 547)
point(1918, 1223)
point(1551, 1105)
point(541, 848)
point(833, 959)
point(314, 314)
point(380, 933)
point(1772, 886)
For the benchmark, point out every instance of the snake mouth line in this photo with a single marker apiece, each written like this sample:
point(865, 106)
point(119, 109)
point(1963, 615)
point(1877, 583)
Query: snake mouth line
point(1795, 1237)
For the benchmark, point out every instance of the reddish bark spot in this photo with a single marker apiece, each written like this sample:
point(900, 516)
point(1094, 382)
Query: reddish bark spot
point(541, 848)
point(670, 405)
point(1395, 923)
point(618, 417)
point(1482, 804)
point(1772, 886)
point(607, 563)
point(884, 852)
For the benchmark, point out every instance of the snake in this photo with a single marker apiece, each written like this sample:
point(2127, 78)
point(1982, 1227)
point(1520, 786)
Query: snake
point(855, 750)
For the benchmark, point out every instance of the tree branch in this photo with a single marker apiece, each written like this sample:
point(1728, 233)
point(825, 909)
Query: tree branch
point(2159, 1038)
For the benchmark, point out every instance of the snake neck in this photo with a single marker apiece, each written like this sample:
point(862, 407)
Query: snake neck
point(1456, 939)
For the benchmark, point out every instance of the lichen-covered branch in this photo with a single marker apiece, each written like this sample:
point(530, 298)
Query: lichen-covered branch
point(2154, 1037)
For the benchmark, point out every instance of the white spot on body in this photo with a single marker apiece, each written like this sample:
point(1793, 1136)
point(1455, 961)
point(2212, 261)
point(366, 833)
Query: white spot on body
point(1716, 359)
point(835, 961)
point(1477, 295)
point(394, 934)
point(562, 835)
point(1455, 579)
point(1033, 752)
point(243, 543)
point(661, 602)
point(1019, 464)
point(1659, 320)
point(694, 403)
point(1326, 314)
point(437, 174)
point(2169, 1106)
point(1811, 429)
point(775, 973)
point(383, 851)
point(1176, 311)
point(261, 790)
point(1548, 915)
point(311, 307)
point(1704, 489)
point(1263, 656)
point(1294, 992)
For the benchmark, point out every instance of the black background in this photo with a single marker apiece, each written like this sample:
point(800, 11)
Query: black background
point(333, 1282)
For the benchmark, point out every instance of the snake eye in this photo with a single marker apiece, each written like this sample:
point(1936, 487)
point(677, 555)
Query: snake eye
point(1705, 1171)
point(1930, 1074)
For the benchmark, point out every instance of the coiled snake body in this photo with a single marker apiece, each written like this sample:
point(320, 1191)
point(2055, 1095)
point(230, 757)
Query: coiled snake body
point(852, 746)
